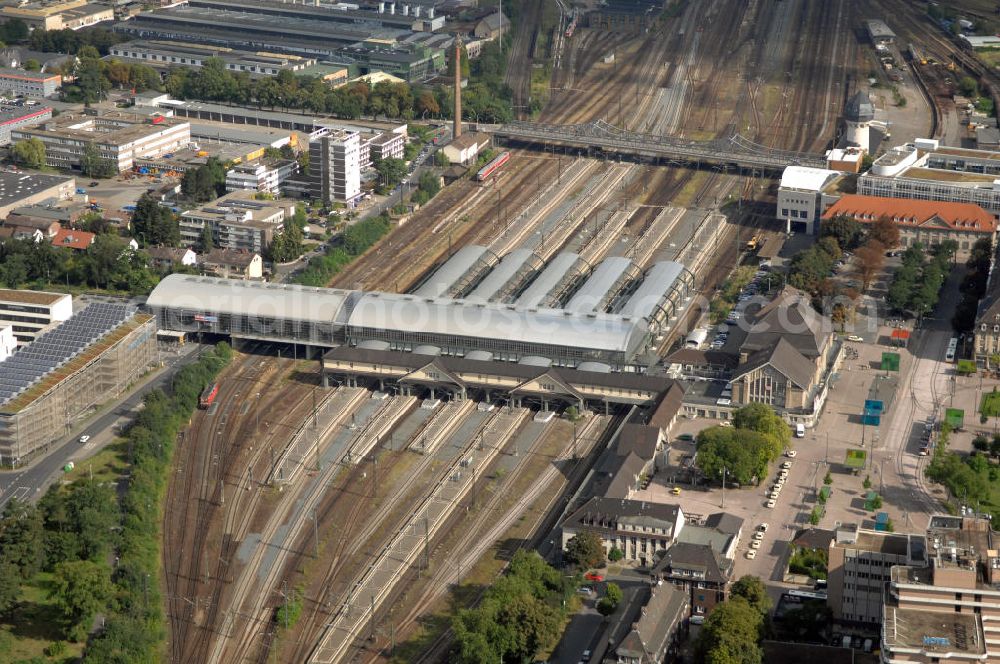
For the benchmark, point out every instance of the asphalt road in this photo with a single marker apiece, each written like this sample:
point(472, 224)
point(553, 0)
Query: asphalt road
point(30, 483)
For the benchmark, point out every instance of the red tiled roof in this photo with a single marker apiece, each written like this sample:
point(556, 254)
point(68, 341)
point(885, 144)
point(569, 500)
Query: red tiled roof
point(912, 212)
point(72, 239)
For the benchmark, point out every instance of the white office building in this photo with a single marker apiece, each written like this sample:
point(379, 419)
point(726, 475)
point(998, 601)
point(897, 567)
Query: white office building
point(266, 177)
point(800, 196)
point(30, 313)
point(335, 165)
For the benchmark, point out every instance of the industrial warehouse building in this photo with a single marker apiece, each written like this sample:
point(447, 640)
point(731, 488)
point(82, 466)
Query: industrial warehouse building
point(69, 370)
point(467, 308)
point(163, 55)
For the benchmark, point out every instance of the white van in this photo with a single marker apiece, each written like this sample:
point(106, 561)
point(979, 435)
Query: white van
point(800, 430)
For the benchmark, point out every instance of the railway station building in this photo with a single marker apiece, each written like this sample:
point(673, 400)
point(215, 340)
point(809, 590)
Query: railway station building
point(467, 308)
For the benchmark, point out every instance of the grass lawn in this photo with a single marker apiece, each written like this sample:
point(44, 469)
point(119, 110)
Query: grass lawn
point(991, 405)
point(34, 626)
point(107, 465)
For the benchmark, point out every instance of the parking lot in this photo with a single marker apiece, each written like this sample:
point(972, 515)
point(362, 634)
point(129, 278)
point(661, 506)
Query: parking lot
point(821, 449)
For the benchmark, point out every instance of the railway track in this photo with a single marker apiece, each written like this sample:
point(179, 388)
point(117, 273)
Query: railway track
point(219, 439)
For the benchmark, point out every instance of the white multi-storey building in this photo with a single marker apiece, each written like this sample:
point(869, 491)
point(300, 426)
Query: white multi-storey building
point(335, 165)
point(928, 171)
point(261, 176)
point(32, 312)
point(118, 137)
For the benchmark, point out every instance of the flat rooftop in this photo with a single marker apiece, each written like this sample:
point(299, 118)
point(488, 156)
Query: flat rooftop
point(986, 155)
point(933, 633)
point(45, 298)
point(886, 543)
point(18, 186)
point(117, 127)
point(954, 177)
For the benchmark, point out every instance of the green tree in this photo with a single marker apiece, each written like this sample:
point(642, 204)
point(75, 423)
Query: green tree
point(93, 165)
point(30, 152)
point(753, 590)
point(10, 586)
point(968, 86)
point(520, 615)
point(615, 554)
point(828, 478)
point(762, 419)
point(206, 243)
point(390, 173)
point(884, 231)
point(22, 537)
point(742, 453)
point(80, 589)
point(846, 231)
point(731, 634)
point(32, 64)
point(288, 245)
point(153, 224)
point(584, 550)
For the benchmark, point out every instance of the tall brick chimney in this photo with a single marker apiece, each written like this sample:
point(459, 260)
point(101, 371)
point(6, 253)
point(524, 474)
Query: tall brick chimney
point(457, 131)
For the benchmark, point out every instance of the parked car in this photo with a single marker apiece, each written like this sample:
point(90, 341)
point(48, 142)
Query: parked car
point(771, 503)
point(593, 576)
point(855, 338)
point(751, 554)
point(790, 454)
point(84, 438)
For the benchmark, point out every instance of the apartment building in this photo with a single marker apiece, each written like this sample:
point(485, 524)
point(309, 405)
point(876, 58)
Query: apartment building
point(237, 222)
point(118, 137)
point(261, 176)
point(32, 312)
point(335, 165)
point(859, 567)
point(946, 608)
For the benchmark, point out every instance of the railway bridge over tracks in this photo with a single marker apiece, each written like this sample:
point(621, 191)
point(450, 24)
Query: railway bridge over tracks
point(733, 152)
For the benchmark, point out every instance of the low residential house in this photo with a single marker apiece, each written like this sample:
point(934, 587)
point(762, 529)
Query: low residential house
point(638, 529)
point(35, 228)
point(927, 222)
point(230, 264)
point(701, 572)
point(165, 258)
point(73, 239)
point(464, 149)
point(657, 631)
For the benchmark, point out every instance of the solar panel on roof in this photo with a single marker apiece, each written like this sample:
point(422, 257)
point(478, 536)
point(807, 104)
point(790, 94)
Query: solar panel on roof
point(58, 346)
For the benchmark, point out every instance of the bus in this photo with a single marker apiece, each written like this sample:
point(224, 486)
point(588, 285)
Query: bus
point(208, 395)
point(949, 355)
